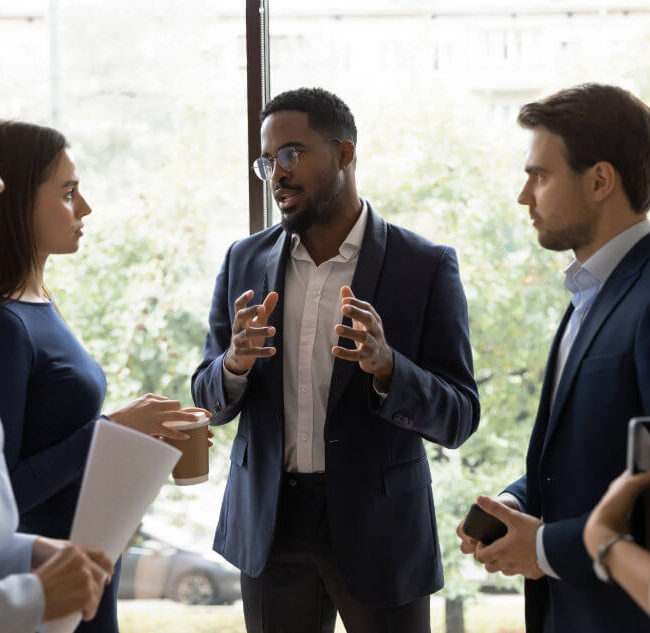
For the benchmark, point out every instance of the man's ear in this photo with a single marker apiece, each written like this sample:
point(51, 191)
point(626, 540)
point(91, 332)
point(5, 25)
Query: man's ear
point(603, 180)
point(348, 154)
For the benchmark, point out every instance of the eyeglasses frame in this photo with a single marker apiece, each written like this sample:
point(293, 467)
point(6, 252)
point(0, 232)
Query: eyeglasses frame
point(271, 159)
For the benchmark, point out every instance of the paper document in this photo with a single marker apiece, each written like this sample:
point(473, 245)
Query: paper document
point(124, 472)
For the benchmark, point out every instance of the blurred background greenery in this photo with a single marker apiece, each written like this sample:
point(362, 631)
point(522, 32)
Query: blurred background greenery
point(152, 97)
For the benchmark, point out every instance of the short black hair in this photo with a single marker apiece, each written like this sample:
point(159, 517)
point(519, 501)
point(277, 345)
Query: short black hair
point(326, 112)
point(597, 123)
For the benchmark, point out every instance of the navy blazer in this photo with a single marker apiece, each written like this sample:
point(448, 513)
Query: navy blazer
point(380, 507)
point(579, 446)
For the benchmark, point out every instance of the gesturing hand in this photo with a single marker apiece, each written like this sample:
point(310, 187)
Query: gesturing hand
point(372, 352)
point(248, 333)
point(516, 552)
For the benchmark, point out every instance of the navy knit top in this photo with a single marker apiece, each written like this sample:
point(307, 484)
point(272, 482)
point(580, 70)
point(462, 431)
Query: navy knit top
point(51, 393)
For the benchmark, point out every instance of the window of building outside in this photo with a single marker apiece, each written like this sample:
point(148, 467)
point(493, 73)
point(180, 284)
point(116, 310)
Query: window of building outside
point(152, 97)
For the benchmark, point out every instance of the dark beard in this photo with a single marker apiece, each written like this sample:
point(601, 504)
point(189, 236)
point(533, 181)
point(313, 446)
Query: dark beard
point(315, 212)
point(298, 223)
point(570, 238)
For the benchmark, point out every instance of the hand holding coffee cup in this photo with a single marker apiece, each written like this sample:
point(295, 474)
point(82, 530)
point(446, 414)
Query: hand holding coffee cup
point(150, 413)
point(193, 466)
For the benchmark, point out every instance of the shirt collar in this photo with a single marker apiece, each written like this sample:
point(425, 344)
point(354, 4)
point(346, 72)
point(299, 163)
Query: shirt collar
point(348, 249)
point(602, 263)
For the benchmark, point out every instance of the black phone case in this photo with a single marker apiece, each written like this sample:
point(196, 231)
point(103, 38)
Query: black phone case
point(483, 526)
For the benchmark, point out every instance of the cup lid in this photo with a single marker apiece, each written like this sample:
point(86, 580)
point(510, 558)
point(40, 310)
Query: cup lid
point(184, 425)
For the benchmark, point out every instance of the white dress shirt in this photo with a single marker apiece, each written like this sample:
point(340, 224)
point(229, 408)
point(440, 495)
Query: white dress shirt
point(312, 308)
point(22, 602)
point(585, 281)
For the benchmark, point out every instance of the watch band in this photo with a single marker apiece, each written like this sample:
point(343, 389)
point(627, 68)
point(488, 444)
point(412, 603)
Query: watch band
point(600, 569)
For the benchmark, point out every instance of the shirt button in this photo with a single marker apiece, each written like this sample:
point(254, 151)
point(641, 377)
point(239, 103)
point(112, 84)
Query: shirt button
point(303, 437)
point(303, 389)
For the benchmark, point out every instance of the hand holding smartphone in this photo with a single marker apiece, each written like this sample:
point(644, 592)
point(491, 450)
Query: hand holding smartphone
point(483, 526)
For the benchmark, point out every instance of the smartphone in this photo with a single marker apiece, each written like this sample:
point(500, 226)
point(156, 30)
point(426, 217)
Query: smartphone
point(638, 461)
point(483, 526)
point(638, 445)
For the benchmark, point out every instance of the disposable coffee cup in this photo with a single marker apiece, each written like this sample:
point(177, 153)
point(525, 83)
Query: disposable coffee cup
point(193, 466)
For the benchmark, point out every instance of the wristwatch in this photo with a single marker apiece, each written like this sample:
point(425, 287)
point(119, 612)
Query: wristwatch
point(600, 569)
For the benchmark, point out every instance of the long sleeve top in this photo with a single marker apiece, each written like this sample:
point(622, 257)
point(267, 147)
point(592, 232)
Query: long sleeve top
point(51, 392)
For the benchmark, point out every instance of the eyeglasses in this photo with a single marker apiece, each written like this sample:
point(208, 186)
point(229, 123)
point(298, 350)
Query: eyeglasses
point(287, 158)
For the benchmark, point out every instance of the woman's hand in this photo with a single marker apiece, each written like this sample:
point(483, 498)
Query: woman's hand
point(44, 548)
point(148, 414)
point(73, 579)
point(609, 518)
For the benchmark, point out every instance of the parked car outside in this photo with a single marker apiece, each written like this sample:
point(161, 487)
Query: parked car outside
point(153, 569)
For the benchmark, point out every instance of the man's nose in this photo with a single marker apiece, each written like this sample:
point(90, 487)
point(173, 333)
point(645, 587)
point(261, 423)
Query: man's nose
point(278, 173)
point(524, 196)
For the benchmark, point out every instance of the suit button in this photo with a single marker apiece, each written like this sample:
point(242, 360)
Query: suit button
point(293, 482)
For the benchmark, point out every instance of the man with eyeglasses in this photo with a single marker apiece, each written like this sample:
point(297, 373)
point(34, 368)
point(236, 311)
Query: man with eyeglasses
point(341, 341)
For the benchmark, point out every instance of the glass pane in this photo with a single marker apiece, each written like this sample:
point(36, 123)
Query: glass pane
point(152, 97)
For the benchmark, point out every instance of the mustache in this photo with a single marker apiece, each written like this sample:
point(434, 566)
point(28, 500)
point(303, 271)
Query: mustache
point(281, 185)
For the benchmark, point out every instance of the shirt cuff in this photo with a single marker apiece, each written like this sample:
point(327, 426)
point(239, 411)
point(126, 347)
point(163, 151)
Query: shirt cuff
point(506, 496)
point(383, 395)
point(542, 561)
point(22, 603)
point(16, 556)
point(233, 384)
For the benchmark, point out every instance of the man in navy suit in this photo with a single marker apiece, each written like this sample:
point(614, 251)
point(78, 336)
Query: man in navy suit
point(341, 341)
point(588, 190)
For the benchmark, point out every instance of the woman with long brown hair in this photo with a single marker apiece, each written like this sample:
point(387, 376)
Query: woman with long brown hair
point(51, 390)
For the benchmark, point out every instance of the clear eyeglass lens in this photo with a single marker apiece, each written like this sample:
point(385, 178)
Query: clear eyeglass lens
point(287, 158)
point(263, 168)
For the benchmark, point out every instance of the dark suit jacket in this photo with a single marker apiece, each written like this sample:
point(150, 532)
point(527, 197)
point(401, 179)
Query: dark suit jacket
point(579, 446)
point(380, 507)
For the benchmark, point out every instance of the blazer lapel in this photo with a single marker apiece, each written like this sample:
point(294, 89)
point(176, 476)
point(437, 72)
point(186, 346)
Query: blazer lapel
point(539, 433)
point(276, 266)
point(612, 293)
point(364, 285)
point(545, 404)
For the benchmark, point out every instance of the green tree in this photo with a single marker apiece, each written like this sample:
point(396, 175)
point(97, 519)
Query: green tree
point(138, 294)
point(458, 185)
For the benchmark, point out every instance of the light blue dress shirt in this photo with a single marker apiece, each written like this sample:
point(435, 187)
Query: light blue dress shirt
point(22, 602)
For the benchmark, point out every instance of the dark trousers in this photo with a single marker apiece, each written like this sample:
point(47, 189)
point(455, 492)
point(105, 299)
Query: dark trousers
point(301, 588)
